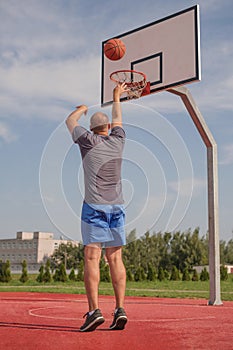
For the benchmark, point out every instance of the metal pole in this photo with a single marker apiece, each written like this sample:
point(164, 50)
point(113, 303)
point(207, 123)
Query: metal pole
point(212, 165)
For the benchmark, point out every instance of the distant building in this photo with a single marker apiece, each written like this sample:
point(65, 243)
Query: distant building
point(229, 268)
point(200, 268)
point(34, 247)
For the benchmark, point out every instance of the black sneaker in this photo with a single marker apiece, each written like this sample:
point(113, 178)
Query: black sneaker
point(119, 320)
point(93, 321)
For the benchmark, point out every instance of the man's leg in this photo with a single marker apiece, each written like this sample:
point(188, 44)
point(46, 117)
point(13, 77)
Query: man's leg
point(92, 256)
point(118, 274)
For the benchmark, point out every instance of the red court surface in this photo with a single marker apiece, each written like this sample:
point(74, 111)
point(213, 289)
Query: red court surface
point(36, 321)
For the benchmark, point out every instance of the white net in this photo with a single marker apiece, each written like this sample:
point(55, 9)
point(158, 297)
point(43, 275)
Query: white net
point(135, 81)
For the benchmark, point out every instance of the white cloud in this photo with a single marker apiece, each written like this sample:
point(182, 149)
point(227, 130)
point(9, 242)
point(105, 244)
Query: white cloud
point(6, 134)
point(227, 157)
point(38, 89)
point(185, 185)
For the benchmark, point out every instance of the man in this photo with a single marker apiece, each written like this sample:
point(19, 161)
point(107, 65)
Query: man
point(102, 219)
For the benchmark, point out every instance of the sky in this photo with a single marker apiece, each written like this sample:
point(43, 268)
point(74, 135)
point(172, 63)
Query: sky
point(50, 62)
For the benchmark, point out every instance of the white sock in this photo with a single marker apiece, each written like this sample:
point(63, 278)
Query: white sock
point(91, 312)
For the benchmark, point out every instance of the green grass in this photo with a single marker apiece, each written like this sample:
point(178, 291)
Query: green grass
point(164, 289)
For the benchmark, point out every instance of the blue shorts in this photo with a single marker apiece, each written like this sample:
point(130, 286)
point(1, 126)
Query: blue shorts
point(103, 223)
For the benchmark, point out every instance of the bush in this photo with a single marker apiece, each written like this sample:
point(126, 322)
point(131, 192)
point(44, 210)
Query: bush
point(104, 273)
point(47, 277)
point(186, 275)
point(60, 274)
point(195, 276)
point(139, 274)
point(223, 273)
point(39, 278)
point(44, 273)
point(5, 272)
point(151, 274)
point(204, 276)
point(72, 276)
point(80, 275)
point(166, 274)
point(129, 275)
point(175, 275)
point(161, 275)
point(24, 275)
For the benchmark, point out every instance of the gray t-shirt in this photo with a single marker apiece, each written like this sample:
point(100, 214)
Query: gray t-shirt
point(102, 160)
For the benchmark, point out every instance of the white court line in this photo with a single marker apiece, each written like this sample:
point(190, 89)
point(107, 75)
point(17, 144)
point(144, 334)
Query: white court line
point(33, 312)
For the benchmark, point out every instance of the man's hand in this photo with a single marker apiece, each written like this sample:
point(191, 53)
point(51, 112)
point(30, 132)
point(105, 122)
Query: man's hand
point(72, 119)
point(83, 108)
point(118, 91)
point(116, 107)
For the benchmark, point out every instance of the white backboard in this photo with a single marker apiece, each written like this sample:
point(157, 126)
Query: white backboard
point(167, 51)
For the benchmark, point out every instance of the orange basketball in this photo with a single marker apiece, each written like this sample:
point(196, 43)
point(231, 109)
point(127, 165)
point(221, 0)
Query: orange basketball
point(114, 49)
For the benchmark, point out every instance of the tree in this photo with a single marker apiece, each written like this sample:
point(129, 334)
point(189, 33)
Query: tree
point(47, 277)
point(39, 278)
point(129, 274)
point(60, 274)
point(186, 275)
point(68, 254)
point(222, 249)
point(139, 274)
point(175, 275)
point(184, 250)
point(151, 274)
point(188, 250)
point(223, 273)
point(132, 253)
point(104, 271)
point(195, 276)
point(72, 276)
point(166, 274)
point(204, 276)
point(80, 275)
point(229, 252)
point(178, 250)
point(161, 276)
point(5, 272)
point(164, 250)
point(24, 275)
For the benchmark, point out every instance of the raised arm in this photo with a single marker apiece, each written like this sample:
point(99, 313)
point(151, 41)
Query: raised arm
point(116, 106)
point(73, 118)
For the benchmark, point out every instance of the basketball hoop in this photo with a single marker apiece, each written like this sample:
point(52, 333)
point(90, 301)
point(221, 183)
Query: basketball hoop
point(135, 81)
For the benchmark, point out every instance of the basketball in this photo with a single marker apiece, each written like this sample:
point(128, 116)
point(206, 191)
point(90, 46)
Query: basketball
point(114, 49)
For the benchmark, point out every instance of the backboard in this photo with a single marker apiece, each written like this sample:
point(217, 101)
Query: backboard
point(167, 51)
